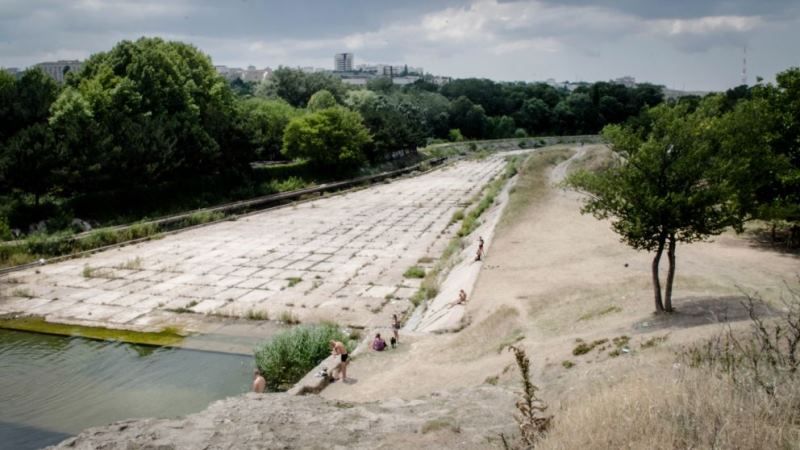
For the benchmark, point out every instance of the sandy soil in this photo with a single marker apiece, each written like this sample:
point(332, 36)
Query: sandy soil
point(555, 276)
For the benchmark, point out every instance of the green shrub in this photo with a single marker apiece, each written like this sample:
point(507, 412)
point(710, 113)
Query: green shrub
point(414, 272)
point(201, 217)
point(5, 230)
point(287, 357)
point(457, 216)
point(583, 347)
point(286, 185)
point(455, 135)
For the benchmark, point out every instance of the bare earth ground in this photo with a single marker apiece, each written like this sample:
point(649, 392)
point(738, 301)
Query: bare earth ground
point(554, 276)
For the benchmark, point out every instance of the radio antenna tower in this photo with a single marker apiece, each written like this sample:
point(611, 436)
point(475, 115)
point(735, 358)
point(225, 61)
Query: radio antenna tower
point(744, 66)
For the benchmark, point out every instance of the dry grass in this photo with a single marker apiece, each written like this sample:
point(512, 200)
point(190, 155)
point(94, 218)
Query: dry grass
point(676, 410)
point(598, 158)
point(532, 184)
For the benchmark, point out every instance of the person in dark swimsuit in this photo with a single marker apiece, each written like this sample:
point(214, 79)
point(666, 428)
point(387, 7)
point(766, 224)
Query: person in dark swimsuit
point(395, 330)
point(337, 348)
point(479, 255)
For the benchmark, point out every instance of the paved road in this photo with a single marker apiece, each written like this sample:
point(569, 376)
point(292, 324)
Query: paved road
point(339, 258)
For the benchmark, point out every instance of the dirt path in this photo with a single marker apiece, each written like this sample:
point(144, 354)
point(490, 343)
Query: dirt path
point(551, 277)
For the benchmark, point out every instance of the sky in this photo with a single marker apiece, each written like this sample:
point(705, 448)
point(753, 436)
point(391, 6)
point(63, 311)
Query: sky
point(682, 44)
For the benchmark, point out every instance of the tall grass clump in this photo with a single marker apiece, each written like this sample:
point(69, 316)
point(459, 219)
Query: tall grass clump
point(414, 272)
point(287, 357)
point(202, 217)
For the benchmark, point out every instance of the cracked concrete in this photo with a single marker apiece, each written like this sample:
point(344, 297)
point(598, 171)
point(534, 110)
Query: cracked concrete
point(339, 258)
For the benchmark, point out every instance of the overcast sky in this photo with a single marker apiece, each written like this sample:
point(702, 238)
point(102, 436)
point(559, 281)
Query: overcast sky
point(684, 44)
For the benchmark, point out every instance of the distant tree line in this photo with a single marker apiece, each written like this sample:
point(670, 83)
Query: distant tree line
point(152, 112)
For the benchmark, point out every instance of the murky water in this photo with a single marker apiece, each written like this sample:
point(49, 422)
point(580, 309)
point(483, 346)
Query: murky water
point(52, 387)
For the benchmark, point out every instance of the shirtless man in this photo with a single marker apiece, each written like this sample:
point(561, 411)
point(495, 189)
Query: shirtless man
point(259, 382)
point(462, 299)
point(337, 348)
point(395, 329)
point(479, 254)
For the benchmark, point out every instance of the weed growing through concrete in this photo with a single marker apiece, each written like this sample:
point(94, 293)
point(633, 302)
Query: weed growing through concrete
point(131, 264)
point(293, 281)
point(257, 315)
point(414, 272)
point(288, 318)
point(96, 272)
point(22, 292)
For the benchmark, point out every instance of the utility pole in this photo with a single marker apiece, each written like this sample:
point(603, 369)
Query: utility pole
point(744, 66)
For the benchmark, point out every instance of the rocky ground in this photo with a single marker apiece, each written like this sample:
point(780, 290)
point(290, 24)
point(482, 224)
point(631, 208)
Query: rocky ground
point(463, 419)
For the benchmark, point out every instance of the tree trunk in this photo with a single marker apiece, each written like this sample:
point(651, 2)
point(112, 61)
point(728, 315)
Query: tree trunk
point(670, 274)
point(656, 281)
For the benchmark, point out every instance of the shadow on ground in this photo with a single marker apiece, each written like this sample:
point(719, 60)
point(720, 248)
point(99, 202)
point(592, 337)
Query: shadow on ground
point(698, 311)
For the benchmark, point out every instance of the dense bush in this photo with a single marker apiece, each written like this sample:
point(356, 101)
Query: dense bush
point(287, 357)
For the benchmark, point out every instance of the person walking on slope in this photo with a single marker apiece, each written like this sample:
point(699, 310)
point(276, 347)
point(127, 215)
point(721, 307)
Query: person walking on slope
point(479, 254)
point(395, 330)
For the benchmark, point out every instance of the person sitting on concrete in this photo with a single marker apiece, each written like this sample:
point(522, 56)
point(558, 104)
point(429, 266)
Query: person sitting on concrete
point(259, 382)
point(462, 299)
point(378, 344)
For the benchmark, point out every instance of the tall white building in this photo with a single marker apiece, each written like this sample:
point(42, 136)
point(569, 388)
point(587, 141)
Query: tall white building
point(343, 62)
point(58, 69)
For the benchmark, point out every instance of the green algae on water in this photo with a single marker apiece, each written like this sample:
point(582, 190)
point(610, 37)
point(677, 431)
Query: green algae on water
point(166, 337)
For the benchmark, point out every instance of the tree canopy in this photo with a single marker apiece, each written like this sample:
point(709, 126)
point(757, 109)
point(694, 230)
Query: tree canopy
point(330, 138)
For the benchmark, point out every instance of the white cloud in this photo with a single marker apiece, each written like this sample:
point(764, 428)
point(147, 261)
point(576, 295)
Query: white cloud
point(707, 25)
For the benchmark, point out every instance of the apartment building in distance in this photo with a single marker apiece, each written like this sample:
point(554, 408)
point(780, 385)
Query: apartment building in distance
point(343, 62)
point(249, 74)
point(13, 71)
point(58, 69)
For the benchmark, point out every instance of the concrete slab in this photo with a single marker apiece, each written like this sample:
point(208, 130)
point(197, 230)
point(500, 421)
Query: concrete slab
point(359, 244)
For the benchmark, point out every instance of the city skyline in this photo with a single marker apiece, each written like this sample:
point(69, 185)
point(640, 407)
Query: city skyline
point(687, 45)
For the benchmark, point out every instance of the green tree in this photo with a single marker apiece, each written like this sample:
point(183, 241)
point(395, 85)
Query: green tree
point(535, 116)
point(32, 157)
point(332, 138)
point(297, 87)
point(28, 153)
point(263, 122)
point(468, 117)
point(161, 112)
point(396, 124)
point(321, 100)
point(781, 199)
point(501, 127)
point(680, 182)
